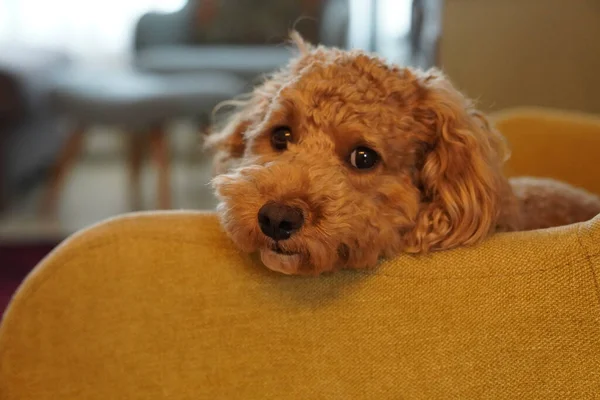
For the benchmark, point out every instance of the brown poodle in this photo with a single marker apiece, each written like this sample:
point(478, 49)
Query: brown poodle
point(342, 158)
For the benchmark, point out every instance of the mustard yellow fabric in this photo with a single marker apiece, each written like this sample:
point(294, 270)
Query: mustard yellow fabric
point(558, 144)
point(162, 306)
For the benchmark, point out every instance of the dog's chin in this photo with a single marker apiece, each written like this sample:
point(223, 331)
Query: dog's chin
point(286, 263)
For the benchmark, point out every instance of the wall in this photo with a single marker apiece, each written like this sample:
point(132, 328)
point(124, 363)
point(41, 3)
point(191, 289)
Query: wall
point(524, 52)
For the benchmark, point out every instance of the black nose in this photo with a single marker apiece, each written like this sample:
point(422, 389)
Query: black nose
point(279, 221)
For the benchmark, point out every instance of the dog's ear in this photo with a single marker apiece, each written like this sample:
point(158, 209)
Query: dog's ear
point(460, 174)
point(228, 142)
point(228, 138)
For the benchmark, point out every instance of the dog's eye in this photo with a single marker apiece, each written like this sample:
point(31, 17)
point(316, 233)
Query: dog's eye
point(280, 137)
point(363, 158)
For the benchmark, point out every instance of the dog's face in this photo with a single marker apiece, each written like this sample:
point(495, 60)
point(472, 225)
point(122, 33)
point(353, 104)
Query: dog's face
point(340, 159)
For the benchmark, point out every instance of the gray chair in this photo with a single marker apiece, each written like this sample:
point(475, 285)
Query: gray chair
point(30, 133)
point(138, 104)
point(167, 43)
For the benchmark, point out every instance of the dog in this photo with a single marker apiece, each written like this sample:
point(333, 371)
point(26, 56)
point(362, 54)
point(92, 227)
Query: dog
point(341, 159)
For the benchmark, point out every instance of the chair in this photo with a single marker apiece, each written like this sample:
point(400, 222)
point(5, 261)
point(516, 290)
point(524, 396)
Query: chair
point(30, 134)
point(186, 41)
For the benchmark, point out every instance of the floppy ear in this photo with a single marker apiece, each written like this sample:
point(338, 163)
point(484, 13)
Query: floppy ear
point(461, 174)
point(228, 143)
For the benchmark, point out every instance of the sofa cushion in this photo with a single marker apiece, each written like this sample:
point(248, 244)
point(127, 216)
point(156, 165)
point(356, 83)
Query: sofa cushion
point(552, 143)
point(155, 306)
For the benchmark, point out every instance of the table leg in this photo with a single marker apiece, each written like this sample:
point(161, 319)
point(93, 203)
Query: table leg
point(159, 144)
point(63, 165)
point(135, 159)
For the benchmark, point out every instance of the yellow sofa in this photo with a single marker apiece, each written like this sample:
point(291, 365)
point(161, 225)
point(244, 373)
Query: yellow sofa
point(162, 306)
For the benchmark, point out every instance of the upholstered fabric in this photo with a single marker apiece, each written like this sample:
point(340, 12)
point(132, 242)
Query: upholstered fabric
point(161, 305)
point(551, 143)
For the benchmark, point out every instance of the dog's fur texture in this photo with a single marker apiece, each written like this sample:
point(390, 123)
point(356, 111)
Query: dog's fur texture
point(438, 185)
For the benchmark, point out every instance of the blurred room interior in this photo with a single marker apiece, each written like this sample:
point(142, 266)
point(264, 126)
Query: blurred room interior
point(66, 72)
point(103, 104)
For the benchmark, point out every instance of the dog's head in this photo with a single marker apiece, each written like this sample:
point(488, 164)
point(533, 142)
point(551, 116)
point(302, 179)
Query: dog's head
point(341, 158)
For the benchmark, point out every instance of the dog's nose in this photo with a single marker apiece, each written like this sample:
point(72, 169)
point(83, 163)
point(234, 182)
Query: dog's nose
point(279, 221)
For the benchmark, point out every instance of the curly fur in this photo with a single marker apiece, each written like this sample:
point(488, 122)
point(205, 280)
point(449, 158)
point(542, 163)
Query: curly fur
point(439, 184)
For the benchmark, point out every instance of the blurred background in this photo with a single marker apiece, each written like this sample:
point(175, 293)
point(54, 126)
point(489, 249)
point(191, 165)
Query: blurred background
point(103, 103)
